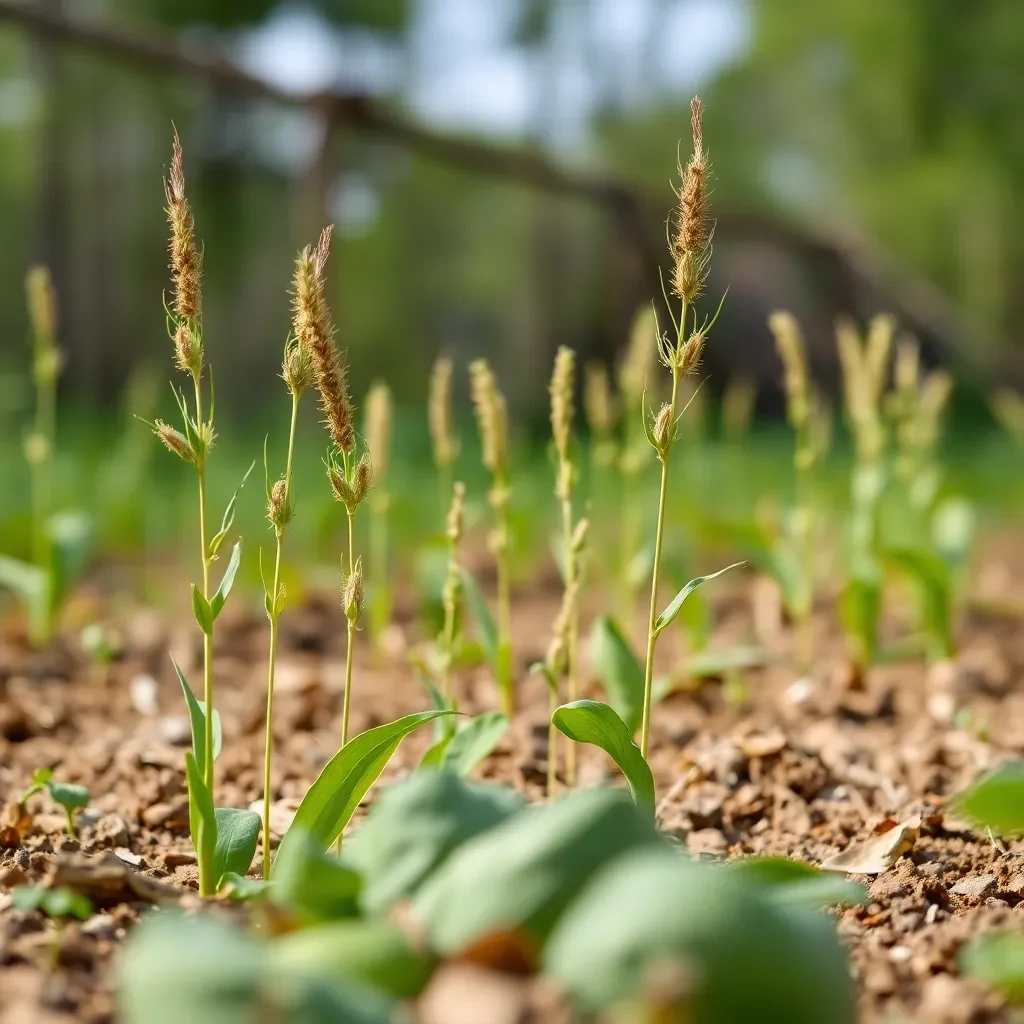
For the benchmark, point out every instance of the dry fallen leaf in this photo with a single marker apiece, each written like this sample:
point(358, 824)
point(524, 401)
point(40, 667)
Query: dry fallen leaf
point(879, 854)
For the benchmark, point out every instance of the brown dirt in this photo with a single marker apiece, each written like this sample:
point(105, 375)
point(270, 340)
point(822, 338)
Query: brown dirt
point(800, 767)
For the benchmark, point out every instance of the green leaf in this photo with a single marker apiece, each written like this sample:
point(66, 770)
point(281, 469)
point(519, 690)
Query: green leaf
point(934, 581)
point(747, 957)
point(227, 580)
point(415, 824)
point(621, 674)
point(197, 719)
point(520, 875)
point(443, 727)
point(666, 617)
point(204, 827)
point(480, 613)
point(69, 796)
point(796, 883)
point(474, 742)
point(70, 535)
point(374, 952)
point(55, 903)
point(201, 610)
point(229, 517)
point(330, 802)
point(31, 586)
point(40, 777)
point(860, 605)
point(998, 959)
point(313, 885)
point(590, 721)
point(996, 800)
point(773, 555)
point(434, 756)
point(238, 833)
point(240, 889)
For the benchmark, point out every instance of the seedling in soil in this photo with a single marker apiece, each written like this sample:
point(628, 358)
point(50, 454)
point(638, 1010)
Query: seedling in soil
point(492, 421)
point(297, 373)
point(69, 796)
point(562, 390)
point(61, 542)
point(379, 414)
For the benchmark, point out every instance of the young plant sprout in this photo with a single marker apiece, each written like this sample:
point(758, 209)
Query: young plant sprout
point(68, 796)
point(492, 420)
point(452, 596)
point(865, 369)
point(561, 391)
point(444, 443)
point(349, 477)
point(297, 374)
point(634, 378)
point(227, 836)
point(379, 414)
point(691, 249)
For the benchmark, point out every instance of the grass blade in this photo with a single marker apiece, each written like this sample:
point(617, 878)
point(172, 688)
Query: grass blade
point(667, 616)
point(474, 742)
point(621, 674)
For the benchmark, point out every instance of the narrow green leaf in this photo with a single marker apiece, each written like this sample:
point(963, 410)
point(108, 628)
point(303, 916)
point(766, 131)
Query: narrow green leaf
point(621, 674)
point(666, 617)
point(197, 719)
point(480, 613)
point(204, 837)
point(474, 742)
point(796, 883)
point(996, 800)
point(229, 516)
point(314, 886)
point(589, 721)
point(227, 580)
point(30, 584)
point(549, 677)
point(238, 833)
point(201, 611)
point(330, 802)
point(934, 581)
point(434, 757)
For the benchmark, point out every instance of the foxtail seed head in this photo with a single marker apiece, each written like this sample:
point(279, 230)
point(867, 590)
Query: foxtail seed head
point(454, 523)
point(796, 381)
point(491, 415)
point(641, 354)
point(42, 314)
point(663, 430)
point(186, 260)
point(279, 508)
point(691, 244)
point(297, 367)
point(378, 427)
point(312, 325)
point(352, 597)
point(598, 404)
point(175, 441)
point(350, 488)
point(561, 392)
point(579, 537)
point(439, 413)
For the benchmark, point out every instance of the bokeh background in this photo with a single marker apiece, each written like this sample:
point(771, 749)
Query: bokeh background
point(498, 173)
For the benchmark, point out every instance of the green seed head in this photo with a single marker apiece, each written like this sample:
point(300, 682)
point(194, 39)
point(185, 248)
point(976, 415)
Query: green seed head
point(352, 599)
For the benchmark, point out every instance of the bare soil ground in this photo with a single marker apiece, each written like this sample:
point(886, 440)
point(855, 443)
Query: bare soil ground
point(801, 767)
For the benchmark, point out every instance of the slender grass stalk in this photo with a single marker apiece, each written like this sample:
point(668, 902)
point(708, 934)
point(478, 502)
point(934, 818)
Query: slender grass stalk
point(378, 440)
point(352, 579)
point(452, 594)
point(297, 373)
point(444, 443)
point(691, 248)
point(39, 448)
point(492, 420)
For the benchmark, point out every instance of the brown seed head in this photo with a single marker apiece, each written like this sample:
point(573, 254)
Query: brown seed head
point(693, 234)
point(297, 367)
point(175, 441)
point(688, 354)
point(663, 430)
point(279, 510)
point(312, 326)
point(362, 478)
point(186, 261)
point(352, 597)
point(561, 392)
point(188, 348)
point(378, 427)
point(796, 381)
point(491, 415)
point(439, 413)
point(454, 524)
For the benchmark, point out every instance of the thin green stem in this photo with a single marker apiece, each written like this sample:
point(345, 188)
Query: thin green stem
point(553, 744)
point(351, 635)
point(645, 733)
point(272, 657)
point(572, 673)
point(42, 465)
point(206, 884)
point(500, 497)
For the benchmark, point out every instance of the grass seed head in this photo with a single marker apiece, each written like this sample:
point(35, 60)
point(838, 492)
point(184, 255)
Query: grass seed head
point(362, 477)
point(641, 356)
point(175, 441)
point(578, 542)
point(312, 325)
point(297, 367)
point(598, 403)
point(378, 426)
point(663, 430)
point(186, 260)
point(42, 314)
point(454, 524)
point(352, 599)
point(439, 413)
point(279, 508)
point(692, 242)
point(491, 416)
point(789, 344)
point(561, 392)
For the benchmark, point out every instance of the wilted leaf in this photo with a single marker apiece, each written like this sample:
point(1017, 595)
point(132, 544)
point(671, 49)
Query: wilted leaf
point(878, 854)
